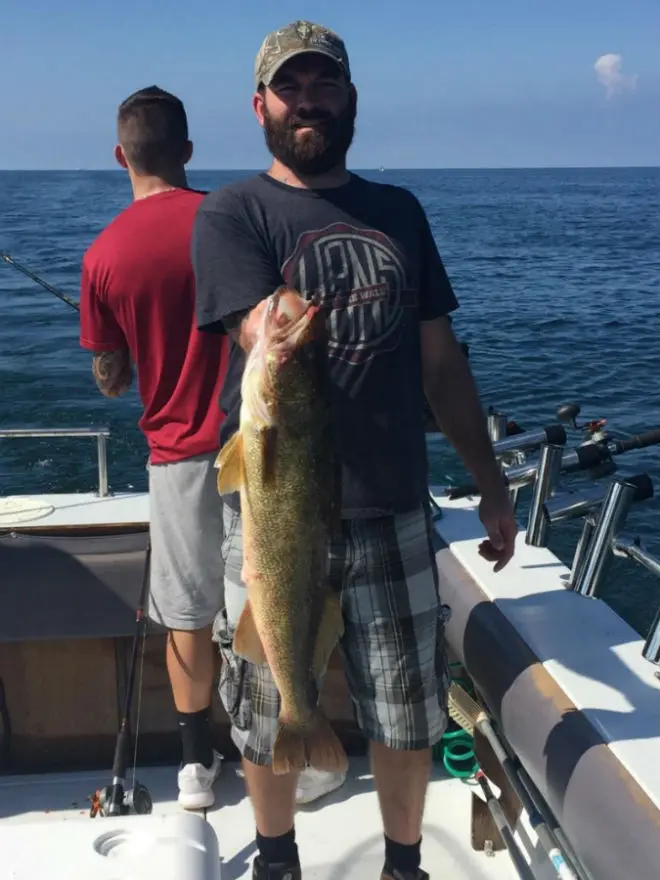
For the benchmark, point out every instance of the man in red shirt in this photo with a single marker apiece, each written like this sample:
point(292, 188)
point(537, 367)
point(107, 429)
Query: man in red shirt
point(138, 304)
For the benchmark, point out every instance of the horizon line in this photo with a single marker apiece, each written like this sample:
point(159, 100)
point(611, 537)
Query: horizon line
point(357, 170)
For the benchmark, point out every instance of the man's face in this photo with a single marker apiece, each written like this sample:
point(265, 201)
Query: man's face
point(308, 114)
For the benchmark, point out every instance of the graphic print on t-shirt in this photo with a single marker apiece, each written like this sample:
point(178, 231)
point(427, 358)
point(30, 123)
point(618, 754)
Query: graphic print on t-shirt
point(361, 278)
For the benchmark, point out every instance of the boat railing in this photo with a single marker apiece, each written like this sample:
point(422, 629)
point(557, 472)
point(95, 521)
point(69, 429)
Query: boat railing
point(101, 435)
point(632, 549)
point(615, 499)
point(603, 537)
point(594, 456)
point(603, 508)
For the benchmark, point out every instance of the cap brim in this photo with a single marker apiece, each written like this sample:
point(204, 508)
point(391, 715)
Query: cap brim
point(283, 60)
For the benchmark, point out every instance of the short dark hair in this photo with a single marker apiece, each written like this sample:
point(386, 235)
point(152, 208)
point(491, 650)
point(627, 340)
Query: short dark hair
point(152, 128)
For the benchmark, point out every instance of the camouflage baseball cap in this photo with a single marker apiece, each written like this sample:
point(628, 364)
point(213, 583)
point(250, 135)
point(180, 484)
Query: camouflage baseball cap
point(295, 39)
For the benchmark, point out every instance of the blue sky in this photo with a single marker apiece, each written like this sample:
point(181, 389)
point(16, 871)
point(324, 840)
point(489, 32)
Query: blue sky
point(467, 83)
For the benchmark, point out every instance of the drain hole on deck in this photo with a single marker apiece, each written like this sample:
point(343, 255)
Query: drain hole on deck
point(121, 842)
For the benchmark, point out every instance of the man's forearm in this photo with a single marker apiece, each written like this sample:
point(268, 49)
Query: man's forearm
point(454, 402)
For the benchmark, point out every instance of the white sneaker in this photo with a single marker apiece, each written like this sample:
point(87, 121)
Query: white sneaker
point(196, 784)
point(313, 784)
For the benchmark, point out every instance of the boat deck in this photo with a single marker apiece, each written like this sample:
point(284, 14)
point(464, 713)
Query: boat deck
point(73, 510)
point(43, 819)
point(585, 651)
point(606, 677)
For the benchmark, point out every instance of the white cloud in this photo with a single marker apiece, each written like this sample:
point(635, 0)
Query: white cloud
point(608, 71)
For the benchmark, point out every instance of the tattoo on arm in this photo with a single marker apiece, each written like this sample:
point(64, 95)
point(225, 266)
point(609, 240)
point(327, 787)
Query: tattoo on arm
point(112, 371)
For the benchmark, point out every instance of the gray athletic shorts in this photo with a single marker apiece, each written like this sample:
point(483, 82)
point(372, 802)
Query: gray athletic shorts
point(187, 571)
point(393, 647)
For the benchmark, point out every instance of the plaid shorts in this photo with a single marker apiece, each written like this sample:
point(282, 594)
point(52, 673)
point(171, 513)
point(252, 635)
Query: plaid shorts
point(393, 648)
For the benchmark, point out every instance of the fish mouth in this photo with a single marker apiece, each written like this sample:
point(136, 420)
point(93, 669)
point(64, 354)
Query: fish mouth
point(289, 331)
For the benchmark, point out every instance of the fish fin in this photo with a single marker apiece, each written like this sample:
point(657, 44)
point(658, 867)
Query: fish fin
point(323, 748)
point(288, 751)
point(229, 463)
point(331, 629)
point(247, 641)
point(269, 452)
point(318, 745)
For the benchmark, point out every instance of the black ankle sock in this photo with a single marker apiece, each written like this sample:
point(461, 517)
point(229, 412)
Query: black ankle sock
point(196, 737)
point(280, 850)
point(403, 857)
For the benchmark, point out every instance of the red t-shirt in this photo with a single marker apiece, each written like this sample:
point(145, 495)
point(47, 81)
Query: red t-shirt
point(138, 292)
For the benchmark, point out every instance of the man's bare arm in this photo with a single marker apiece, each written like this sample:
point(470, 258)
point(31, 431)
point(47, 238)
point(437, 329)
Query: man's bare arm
point(112, 371)
point(454, 401)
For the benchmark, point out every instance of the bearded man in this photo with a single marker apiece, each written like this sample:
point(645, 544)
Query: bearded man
point(366, 251)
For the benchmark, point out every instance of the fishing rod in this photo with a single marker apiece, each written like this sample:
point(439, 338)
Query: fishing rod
point(67, 299)
point(114, 799)
point(429, 420)
point(49, 287)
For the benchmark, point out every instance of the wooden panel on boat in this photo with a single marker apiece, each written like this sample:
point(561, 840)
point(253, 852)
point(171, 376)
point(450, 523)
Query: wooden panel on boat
point(61, 697)
point(157, 714)
point(65, 699)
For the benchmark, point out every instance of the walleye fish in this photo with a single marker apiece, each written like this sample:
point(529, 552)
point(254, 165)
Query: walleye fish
point(282, 459)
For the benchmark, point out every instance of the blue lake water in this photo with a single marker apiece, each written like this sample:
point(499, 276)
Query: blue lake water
point(558, 277)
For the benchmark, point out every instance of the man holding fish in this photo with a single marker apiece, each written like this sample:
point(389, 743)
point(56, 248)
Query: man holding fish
point(336, 300)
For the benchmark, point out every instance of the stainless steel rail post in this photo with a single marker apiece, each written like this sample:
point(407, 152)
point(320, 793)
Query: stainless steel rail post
point(632, 548)
point(572, 505)
point(102, 455)
point(651, 649)
point(496, 424)
point(582, 548)
point(547, 477)
point(613, 512)
point(101, 435)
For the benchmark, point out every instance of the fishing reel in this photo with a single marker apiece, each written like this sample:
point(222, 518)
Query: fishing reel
point(593, 432)
point(136, 800)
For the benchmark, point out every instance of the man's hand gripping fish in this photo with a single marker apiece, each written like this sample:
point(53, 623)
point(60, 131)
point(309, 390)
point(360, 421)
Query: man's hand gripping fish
point(283, 461)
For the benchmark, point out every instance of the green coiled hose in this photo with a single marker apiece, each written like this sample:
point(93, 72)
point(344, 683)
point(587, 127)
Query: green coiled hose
point(458, 754)
point(456, 748)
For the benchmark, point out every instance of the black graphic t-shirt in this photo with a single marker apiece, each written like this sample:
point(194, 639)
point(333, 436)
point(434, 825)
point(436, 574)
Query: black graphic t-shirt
point(367, 249)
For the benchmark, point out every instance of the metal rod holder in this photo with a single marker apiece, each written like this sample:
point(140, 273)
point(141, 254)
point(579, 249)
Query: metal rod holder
point(632, 549)
point(571, 505)
point(102, 455)
point(582, 548)
point(496, 426)
point(584, 458)
point(651, 649)
point(530, 440)
point(613, 512)
point(547, 478)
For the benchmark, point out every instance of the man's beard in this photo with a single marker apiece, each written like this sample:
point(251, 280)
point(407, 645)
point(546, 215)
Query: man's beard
point(317, 151)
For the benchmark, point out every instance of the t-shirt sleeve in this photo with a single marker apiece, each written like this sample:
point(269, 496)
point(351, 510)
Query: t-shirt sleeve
point(436, 295)
point(99, 329)
point(234, 269)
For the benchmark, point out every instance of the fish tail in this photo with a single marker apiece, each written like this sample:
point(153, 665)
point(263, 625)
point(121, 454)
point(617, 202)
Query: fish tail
point(288, 750)
point(317, 745)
